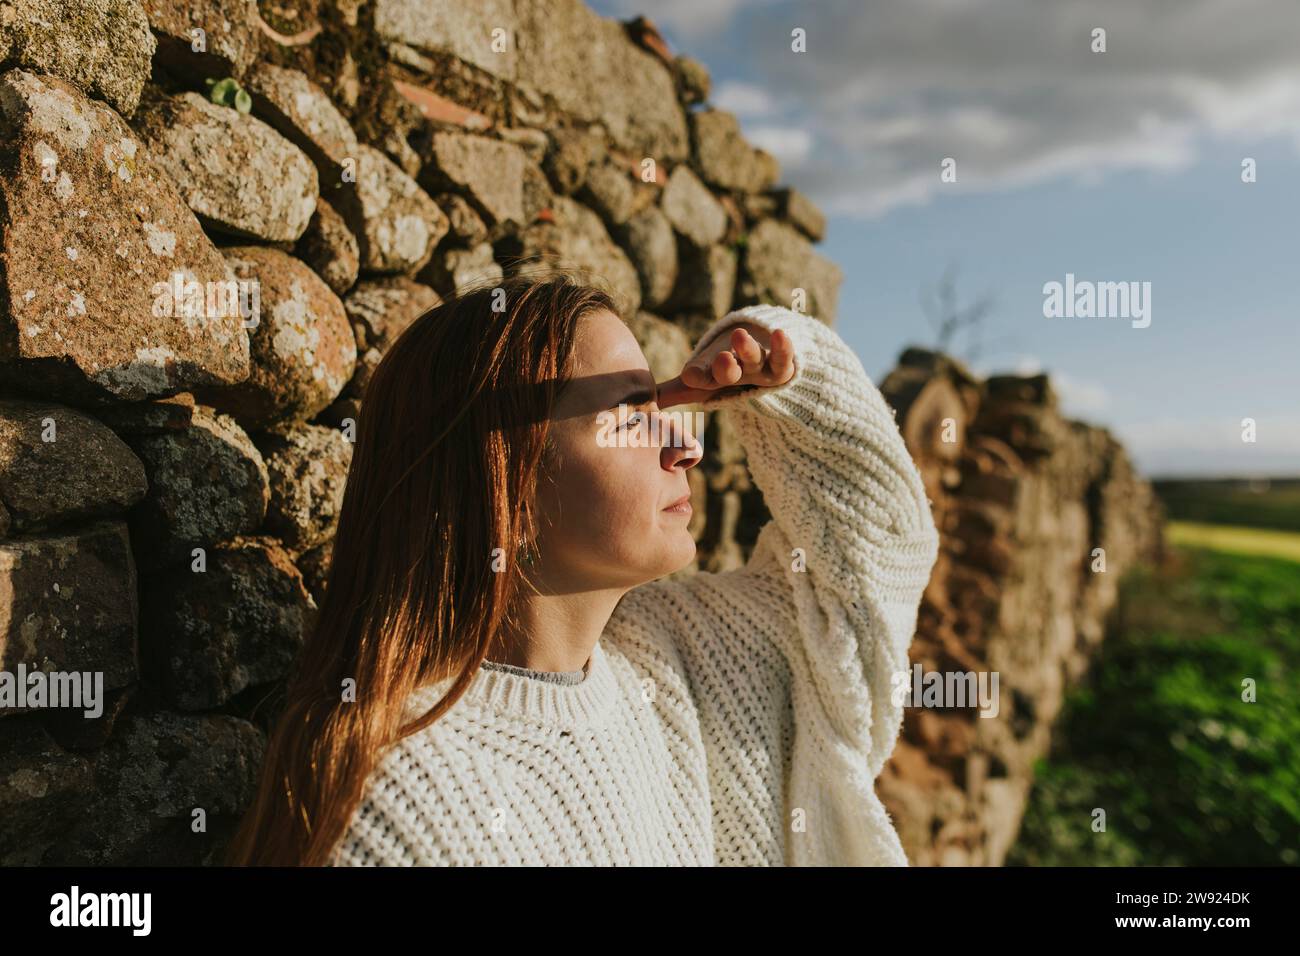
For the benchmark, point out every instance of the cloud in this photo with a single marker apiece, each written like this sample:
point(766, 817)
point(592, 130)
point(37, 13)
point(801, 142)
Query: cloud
point(1011, 90)
point(743, 99)
point(1080, 399)
point(790, 145)
point(1171, 446)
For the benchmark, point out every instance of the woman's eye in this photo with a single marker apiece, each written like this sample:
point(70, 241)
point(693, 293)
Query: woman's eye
point(633, 419)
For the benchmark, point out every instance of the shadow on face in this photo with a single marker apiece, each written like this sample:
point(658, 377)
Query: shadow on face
point(612, 472)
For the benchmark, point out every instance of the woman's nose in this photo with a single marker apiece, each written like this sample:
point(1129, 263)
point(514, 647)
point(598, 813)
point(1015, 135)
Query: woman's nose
point(680, 447)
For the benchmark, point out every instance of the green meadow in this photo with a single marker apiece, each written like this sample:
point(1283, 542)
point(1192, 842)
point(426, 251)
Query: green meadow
point(1163, 735)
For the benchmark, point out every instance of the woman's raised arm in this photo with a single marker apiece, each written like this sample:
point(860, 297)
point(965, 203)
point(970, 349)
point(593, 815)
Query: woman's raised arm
point(820, 618)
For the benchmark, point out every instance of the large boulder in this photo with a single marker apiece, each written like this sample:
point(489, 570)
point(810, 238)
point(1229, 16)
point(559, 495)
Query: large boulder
point(610, 191)
point(573, 152)
point(103, 47)
point(576, 239)
point(449, 26)
point(707, 281)
point(381, 309)
point(304, 114)
point(456, 271)
point(777, 261)
point(330, 248)
point(187, 507)
point(800, 212)
point(467, 226)
point(174, 413)
point(207, 636)
point(649, 241)
point(584, 62)
point(202, 39)
point(69, 603)
point(395, 221)
point(58, 465)
point(489, 171)
point(43, 792)
point(237, 173)
point(308, 468)
point(95, 243)
point(724, 157)
point(692, 209)
point(303, 350)
point(137, 806)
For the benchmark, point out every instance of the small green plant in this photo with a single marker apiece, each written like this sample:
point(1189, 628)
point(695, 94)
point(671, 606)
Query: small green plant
point(228, 92)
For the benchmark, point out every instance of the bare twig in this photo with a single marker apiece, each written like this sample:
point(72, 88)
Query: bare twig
point(947, 318)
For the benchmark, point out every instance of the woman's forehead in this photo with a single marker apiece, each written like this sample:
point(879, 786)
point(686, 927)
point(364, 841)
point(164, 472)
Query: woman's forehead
point(606, 344)
point(608, 365)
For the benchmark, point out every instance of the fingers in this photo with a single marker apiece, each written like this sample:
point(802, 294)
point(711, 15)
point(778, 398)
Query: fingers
point(781, 362)
point(722, 369)
point(748, 351)
point(726, 369)
point(696, 375)
point(746, 360)
point(677, 392)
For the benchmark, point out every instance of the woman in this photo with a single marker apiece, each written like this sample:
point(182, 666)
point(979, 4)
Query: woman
point(501, 676)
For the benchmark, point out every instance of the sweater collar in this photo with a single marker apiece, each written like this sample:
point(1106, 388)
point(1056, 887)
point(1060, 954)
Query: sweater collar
point(518, 697)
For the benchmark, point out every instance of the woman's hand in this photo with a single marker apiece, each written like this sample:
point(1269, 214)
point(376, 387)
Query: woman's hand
point(736, 361)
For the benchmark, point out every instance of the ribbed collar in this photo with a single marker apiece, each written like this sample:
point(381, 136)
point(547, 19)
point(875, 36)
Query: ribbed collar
point(544, 703)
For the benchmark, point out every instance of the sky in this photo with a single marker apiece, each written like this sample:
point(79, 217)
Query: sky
point(1117, 166)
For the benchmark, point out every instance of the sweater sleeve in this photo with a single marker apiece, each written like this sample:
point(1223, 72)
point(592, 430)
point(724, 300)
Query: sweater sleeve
point(831, 590)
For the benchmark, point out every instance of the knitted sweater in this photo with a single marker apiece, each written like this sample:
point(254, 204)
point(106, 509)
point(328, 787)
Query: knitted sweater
point(732, 718)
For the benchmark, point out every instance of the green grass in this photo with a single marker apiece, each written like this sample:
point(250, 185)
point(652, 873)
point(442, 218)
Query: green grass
point(1160, 738)
point(1235, 540)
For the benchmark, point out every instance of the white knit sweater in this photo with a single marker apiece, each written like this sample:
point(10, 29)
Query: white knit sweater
point(738, 718)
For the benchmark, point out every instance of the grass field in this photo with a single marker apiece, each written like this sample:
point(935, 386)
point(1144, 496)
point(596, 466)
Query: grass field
point(1160, 737)
point(1254, 503)
point(1235, 539)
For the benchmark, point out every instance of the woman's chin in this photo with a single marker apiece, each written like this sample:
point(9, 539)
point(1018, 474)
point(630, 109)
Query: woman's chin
point(676, 551)
point(687, 552)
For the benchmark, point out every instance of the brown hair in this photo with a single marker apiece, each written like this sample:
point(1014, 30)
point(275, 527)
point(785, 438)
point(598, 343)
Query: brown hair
point(451, 438)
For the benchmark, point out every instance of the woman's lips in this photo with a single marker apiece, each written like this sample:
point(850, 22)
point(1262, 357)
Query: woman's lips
point(682, 506)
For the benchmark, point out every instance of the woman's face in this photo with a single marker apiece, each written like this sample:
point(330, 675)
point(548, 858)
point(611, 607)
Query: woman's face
point(604, 490)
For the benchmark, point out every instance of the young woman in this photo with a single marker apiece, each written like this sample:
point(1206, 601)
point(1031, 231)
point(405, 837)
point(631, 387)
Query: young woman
point(501, 675)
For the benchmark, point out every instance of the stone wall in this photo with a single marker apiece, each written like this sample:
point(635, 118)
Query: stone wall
point(171, 470)
point(1039, 517)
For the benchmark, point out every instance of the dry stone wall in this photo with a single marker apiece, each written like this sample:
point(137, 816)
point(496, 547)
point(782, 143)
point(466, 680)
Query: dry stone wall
point(215, 217)
point(1039, 517)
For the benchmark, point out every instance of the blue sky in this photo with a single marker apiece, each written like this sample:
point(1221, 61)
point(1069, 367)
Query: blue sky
point(1123, 165)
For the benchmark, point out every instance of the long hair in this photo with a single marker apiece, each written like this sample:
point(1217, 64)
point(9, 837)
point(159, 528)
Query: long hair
point(451, 439)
